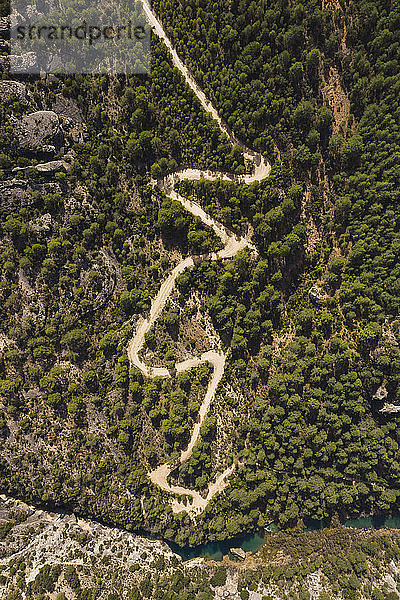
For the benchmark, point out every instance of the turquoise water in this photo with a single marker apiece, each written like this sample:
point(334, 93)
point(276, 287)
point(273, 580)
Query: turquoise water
point(254, 541)
point(217, 550)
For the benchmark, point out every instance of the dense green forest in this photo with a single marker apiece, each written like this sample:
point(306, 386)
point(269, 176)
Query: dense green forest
point(314, 89)
point(312, 427)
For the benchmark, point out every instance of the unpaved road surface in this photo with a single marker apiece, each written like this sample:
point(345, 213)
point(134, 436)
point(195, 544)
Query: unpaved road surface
point(261, 166)
point(232, 245)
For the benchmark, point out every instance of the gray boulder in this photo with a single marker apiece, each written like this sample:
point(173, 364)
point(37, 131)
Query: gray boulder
point(316, 295)
point(381, 393)
point(38, 129)
point(53, 166)
point(390, 408)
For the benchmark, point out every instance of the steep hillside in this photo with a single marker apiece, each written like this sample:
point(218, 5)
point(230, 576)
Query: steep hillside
point(305, 314)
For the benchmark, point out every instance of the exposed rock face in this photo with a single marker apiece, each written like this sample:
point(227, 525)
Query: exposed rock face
point(314, 584)
point(40, 129)
point(71, 117)
point(20, 63)
point(316, 295)
point(381, 393)
point(43, 224)
point(48, 148)
point(43, 538)
point(238, 552)
point(229, 591)
point(12, 88)
point(390, 408)
point(53, 166)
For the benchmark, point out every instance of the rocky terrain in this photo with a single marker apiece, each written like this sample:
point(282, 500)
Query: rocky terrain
point(45, 555)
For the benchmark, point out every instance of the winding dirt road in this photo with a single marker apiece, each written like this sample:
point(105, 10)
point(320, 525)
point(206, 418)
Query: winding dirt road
point(232, 245)
point(261, 167)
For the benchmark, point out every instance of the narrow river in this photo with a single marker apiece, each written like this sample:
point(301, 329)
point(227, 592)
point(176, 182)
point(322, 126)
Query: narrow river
point(253, 542)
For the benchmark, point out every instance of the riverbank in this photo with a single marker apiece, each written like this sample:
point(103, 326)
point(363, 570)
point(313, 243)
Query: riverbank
point(252, 543)
point(68, 555)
